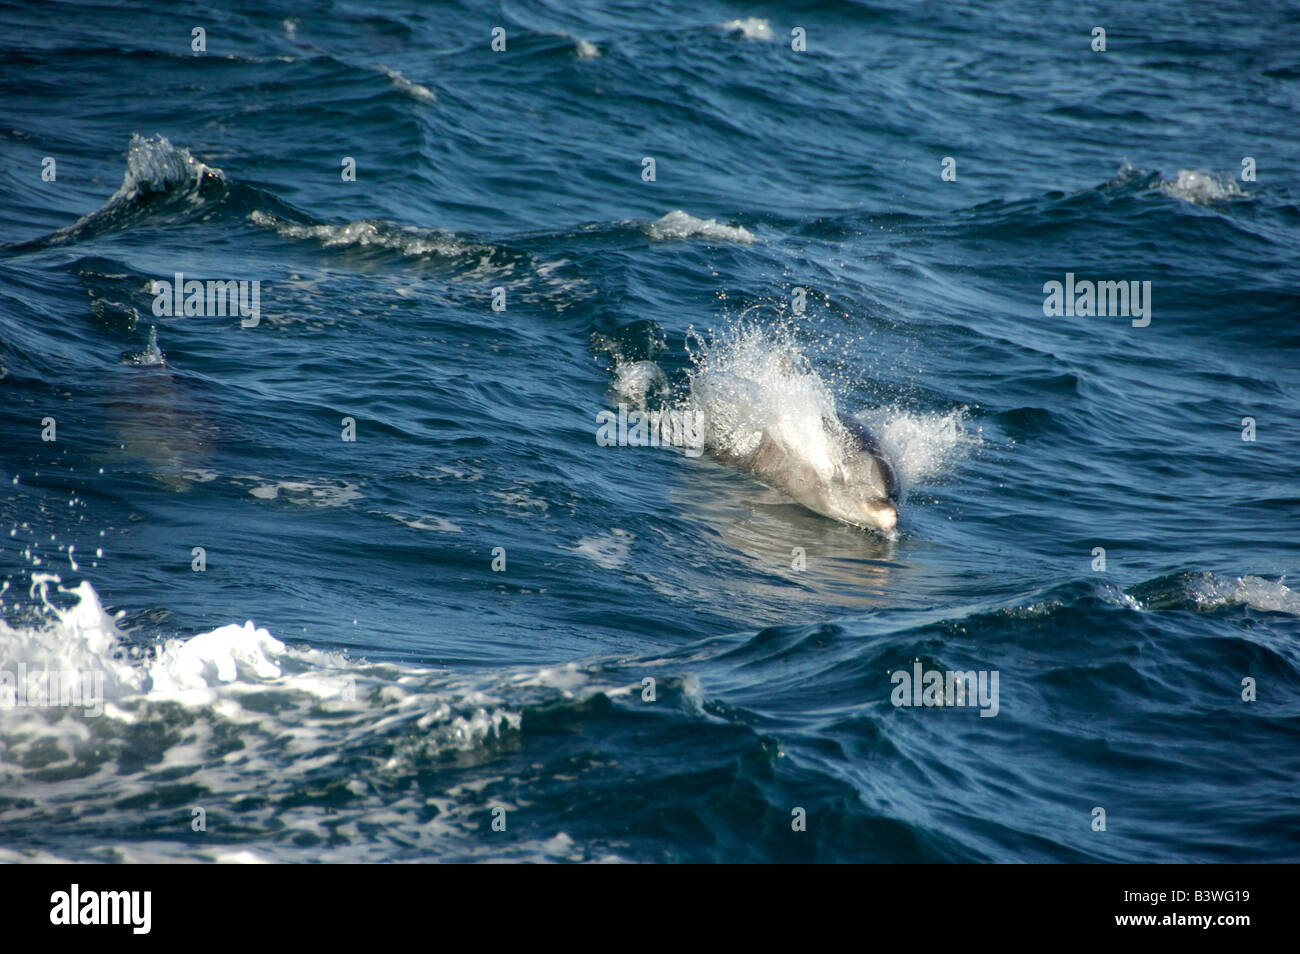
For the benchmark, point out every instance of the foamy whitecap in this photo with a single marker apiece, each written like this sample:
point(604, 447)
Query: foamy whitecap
point(80, 638)
point(311, 493)
point(412, 89)
point(582, 49)
point(680, 225)
point(153, 166)
point(408, 240)
point(1211, 592)
point(751, 28)
point(306, 723)
point(427, 522)
point(534, 281)
point(608, 552)
point(1200, 186)
point(636, 382)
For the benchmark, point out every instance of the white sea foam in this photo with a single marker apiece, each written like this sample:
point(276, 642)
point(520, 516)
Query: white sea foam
point(1201, 187)
point(638, 382)
point(299, 716)
point(81, 638)
point(521, 499)
point(582, 49)
point(680, 225)
point(408, 240)
point(309, 493)
point(608, 552)
point(532, 280)
point(427, 522)
point(412, 89)
point(443, 472)
point(751, 28)
point(1211, 592)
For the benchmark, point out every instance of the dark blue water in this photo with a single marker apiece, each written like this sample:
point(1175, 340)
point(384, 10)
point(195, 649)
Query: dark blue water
point(395, 695)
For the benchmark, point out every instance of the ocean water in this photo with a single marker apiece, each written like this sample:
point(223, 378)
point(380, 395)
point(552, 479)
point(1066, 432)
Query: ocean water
point(471, 632)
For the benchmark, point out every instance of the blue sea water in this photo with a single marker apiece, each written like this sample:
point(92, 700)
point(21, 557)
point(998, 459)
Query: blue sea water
point(473, 615)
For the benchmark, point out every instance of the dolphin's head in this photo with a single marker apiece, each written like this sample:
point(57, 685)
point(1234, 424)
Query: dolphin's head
point(869, 511)
point(858, 487)
point(863, 493)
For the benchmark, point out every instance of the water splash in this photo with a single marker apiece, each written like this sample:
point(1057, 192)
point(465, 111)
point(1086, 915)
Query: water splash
point(151, 356)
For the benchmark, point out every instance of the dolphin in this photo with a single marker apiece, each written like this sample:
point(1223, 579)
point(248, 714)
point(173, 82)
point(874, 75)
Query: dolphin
point(758, 421)
point(861, 490)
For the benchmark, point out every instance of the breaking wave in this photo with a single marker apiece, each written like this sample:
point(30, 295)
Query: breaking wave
point(327, 741)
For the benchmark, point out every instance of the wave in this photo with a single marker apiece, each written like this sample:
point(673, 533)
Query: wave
point(151, 356)
point(155, 171)
point(163, 184)
point(155, 165)
point(307, 754)
point(1271, 596)
point(1198, 186)
point(234, 711)
point(166, 185)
